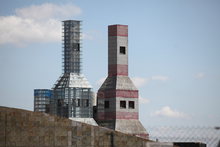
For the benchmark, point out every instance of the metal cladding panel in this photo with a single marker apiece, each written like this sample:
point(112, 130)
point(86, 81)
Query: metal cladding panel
point(73, 80)
point(43, 93)
point(118, 30)
point(72, 102)
point(42, 99)
point(73, 96)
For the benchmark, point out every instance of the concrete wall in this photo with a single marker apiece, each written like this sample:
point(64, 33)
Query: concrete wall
point(20, 128)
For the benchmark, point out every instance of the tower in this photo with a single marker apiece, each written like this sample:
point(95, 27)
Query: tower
point(73, 96)
point(117, 98)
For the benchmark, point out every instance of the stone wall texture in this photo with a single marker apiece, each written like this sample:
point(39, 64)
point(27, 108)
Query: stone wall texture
point(21, 128)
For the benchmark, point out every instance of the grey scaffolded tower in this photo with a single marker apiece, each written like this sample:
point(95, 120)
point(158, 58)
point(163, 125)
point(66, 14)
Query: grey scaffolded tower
point(117, 98)
point(73, 96)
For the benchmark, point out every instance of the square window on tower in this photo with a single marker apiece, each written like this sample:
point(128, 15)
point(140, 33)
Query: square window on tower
point(106, 104)
point(131, 104)
point(123, 104)
point(122, 50)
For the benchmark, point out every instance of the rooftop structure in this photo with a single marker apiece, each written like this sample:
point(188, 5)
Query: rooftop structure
point(117, 98)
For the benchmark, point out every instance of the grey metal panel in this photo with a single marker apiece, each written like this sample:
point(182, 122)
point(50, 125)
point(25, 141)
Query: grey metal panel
point(66, 102)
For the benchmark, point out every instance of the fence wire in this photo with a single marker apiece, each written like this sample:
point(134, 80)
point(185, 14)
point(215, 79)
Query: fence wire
point(208, 135)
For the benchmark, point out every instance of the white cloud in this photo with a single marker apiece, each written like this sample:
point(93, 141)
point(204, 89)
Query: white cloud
point(200, 75)
point(160, 78)
point(18, 31)
point(37, 23)
point(168, 112)
point(143, 100)
point(139, 82)
point(48, 10)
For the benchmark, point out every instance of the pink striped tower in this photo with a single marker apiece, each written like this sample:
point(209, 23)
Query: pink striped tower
point(117, 98)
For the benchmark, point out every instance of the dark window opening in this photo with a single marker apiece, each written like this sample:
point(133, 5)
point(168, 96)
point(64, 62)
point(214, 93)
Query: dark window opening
point(122, 104)
point(60, 103)
point(122, 50)
point(87, 103)
point(131, 104)
point(106, 104)
point(76, 46)
point(78, 103)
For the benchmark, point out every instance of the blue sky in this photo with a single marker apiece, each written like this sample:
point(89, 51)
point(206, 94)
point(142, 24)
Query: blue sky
point(174, 50)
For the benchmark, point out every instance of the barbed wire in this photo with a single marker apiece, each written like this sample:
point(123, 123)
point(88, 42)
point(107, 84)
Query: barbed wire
point(208, 135)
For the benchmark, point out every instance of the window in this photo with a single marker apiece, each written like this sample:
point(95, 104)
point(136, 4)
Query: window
point(78, 103)
point(106, 104)
point(76, 46)
point(87, 103)
point(131, 104)
point(59, 102)
point(123, 104)
point(122, 50)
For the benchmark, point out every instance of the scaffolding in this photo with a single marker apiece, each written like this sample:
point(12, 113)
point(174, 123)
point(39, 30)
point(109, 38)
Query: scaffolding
point(73, 96)
point(42, 99)
point(71, 46)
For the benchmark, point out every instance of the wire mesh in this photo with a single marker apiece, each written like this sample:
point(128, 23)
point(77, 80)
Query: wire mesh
point(208, 135)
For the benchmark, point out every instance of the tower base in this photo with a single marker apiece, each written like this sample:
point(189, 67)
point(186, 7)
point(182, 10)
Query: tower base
point(131, 126)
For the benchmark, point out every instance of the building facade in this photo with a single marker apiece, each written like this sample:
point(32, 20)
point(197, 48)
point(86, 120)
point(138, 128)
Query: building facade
point(73, 96)
point(42, 98)
point(117, 98)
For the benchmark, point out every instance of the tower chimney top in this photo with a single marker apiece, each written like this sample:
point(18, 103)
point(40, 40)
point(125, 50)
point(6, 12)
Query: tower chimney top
point(118, 30)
